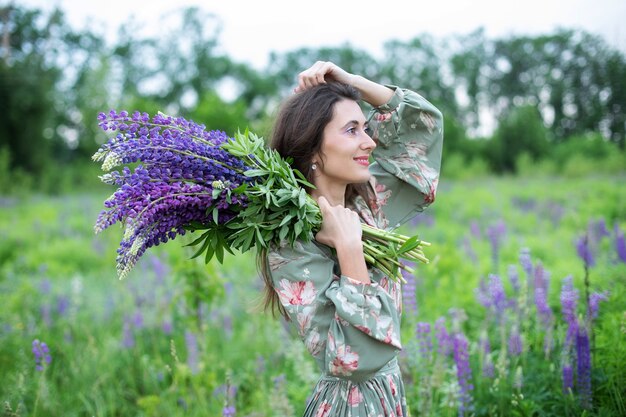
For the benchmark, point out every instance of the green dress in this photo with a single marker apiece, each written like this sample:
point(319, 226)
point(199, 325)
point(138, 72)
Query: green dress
point(352, 330)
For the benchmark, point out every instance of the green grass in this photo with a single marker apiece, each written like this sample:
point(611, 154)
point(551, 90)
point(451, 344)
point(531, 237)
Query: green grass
point(58, 285)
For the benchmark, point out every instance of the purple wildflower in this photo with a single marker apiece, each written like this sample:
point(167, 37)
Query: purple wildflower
point(128, 336)
point(620, 244)
point(466, 244)
point(475, 229)
point(496, 233)
point(193, 356)
point(42, 355)
point(594, 303)
point(541, 296)
point(409, 295)
point(567, 373)
point(584, 251)
point(569, 302)
point(583, 356)
point(513, 278)
point(423, 335)
point(515, 342)
point(526, 261)
point(229, 411)
point(464, 373)
point(444, 340)
point(183, 174)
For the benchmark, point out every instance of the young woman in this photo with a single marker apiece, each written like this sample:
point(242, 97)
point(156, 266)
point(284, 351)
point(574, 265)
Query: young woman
point(347, 315)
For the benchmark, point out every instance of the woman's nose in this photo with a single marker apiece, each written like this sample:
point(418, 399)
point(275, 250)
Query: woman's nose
point(368, 142)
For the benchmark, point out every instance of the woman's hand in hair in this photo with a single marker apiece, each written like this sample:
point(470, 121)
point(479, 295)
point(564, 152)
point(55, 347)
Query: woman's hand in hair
point(320, 73)
point(323, 71)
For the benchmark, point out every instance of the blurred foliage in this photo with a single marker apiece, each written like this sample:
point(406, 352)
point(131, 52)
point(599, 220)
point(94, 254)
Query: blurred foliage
point(544, 92)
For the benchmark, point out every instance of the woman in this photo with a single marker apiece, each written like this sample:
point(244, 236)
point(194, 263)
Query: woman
point(347, 315)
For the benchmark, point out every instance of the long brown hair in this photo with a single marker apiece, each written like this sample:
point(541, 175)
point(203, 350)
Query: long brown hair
point(297, 133)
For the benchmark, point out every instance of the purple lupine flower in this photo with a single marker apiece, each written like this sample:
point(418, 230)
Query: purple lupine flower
point(498, 297)
point(424, 340)
point(584, 251)
point(444, 340)
point(496, 233)
point(137, 319)
point(594, 303)
point(409, 295)
point(193, 355)
point(183, 174)
point(463, 372)
point(526, 261)
point(567, 373)
point(45, 286)
point(167, 326)
point(42, 354)
point(620, 243)
point(475, 229)
point(541, 296)
point(513, 276)
point(128, 336)
point(515, 344)
point(229, 411)
point(470, 253)
point(488, 368)
point(598, 230)
point(583, 368)
point(63, 305)
point(569, 302)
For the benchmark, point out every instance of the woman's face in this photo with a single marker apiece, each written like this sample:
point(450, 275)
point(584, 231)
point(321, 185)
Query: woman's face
point(346, 148)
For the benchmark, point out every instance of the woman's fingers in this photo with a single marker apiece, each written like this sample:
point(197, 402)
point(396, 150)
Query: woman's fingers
point(320, 73)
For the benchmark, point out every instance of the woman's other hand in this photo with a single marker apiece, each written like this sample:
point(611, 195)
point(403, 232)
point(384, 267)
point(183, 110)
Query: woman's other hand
point(320, 73)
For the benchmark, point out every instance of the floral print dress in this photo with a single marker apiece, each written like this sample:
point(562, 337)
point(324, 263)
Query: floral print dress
point(351, 329)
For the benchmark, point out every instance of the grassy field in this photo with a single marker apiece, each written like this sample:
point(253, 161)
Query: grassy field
point(487, 325)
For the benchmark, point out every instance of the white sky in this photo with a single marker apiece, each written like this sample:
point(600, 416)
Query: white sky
point(253, 28)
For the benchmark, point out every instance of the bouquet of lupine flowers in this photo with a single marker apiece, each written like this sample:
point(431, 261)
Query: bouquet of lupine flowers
point(177, 177)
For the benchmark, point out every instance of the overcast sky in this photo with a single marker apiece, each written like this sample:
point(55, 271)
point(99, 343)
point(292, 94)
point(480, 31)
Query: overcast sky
point(252, 28)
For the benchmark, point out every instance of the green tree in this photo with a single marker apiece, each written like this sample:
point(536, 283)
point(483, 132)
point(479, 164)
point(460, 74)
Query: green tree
point(519, 132)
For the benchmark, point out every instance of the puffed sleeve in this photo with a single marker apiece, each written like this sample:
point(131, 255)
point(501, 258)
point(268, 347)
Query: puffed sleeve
point(351, 329)
point(409, 134)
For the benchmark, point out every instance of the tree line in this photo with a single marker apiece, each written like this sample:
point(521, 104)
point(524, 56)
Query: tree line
point(541, 90)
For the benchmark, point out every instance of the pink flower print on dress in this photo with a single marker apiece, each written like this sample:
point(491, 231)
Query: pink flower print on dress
point(429, 121)
point(392, 385)
point(354, 396)
point(324, 410)
point(345, 361)
point(296, 293)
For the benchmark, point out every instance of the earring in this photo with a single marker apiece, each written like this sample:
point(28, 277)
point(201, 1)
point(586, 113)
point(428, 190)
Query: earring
point(314, 167)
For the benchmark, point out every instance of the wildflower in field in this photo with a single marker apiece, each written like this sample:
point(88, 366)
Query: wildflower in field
point(569, 303)
point(518, 378)
point(128, 336)
point(409, 295)
point(526, 261)
point(42, 354)
point(496, 233)
point(583, 368)
point(444, 340)
point(424, 340)
point(193, 354)
point(513, 276)
point(620, 243)
point(568, 377)
point(464, 373)
point(584, 251)
point(515, 344)
point(594, 303)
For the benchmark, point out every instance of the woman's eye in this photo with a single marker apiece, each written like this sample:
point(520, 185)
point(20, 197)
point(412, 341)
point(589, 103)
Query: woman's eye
point(352, 130)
